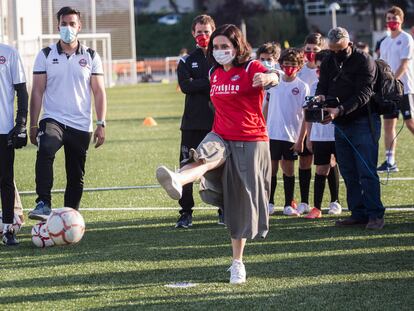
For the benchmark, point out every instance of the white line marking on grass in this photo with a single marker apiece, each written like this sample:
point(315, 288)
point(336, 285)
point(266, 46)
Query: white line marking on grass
point(155, 208)
point(32, 192)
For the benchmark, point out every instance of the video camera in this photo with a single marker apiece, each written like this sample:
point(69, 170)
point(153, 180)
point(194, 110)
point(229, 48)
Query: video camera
point(315, 111)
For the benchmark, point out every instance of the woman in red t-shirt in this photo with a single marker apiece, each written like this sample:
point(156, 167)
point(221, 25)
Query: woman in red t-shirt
point(233, 161)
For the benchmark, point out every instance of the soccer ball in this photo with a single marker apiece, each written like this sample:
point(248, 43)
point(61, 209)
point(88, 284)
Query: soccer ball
point(17, 223)
point(40, 235)
point(65, 226)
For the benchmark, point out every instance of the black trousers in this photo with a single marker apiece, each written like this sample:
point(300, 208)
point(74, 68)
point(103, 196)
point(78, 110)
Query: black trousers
point(52, 136)
point(189, 139)
point(6, 180)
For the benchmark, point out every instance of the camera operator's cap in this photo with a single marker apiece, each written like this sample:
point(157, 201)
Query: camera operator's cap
point(337, 34)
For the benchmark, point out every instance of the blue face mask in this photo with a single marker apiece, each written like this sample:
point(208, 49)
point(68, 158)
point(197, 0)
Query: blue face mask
point(67, 34)
point(268, 64)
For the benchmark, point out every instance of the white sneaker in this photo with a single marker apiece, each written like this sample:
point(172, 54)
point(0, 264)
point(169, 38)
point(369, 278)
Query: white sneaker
point(303, 208)
point(335, 208)
point(290, 211)
point(237, 272)
point(168, 180)
point(271, 208)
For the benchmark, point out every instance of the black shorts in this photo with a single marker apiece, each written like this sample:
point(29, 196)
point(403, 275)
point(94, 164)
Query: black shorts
point(306, 151)
point(322, 151)
point(281, 149)
point(407, 108)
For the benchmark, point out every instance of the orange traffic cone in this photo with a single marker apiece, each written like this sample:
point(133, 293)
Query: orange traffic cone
point(149, 121)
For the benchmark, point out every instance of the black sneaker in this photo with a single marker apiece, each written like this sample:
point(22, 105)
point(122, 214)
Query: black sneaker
point(41, 211)
point(185, 221)
point(385, 167)
point(9, 238)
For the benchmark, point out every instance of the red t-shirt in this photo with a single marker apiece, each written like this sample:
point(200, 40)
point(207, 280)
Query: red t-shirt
point(238, 105)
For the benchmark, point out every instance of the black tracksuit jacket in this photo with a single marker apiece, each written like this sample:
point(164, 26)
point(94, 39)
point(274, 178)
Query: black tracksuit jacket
point(192, 73)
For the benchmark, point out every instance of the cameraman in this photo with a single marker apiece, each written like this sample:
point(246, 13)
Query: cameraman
point(349, 75)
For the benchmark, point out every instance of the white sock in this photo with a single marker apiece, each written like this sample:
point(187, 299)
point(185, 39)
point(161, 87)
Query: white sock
point(6, 227)
point(237, 261)
point(390, 157)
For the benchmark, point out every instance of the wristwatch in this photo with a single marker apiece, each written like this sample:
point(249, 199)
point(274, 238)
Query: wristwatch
point(101, 123)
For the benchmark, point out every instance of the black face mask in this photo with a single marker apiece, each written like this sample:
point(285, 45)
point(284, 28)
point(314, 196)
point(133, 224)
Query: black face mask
point(342, 55)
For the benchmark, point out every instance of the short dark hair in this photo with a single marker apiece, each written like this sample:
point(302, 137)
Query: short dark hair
point(292, 55)
point(234, 34)
point(67, 10)
point(362, 45)
point(321, 55)
point(272, 48)
point(203, 19)
point(315, 38)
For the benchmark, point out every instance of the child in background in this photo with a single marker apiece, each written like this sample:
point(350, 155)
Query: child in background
point(322, 144)
point(314, 43)
point(268, 54)
point(284, 123)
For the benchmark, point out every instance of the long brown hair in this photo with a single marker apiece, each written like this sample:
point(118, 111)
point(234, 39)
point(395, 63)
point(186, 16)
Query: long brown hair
point(234, 34)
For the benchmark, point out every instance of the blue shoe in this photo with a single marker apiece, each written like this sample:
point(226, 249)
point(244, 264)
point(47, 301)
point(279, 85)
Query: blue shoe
point(385, 167)
point(221, 219)
point(41, 211)
point(185, 221)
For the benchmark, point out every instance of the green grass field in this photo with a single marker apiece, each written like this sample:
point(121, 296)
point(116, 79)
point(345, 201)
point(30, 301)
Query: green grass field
point(127, 258)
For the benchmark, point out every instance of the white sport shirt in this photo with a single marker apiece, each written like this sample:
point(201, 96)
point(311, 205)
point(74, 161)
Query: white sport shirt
point(394, 50)
point(308, 75)
point(285, 114)
point(319, 131)
point(67, 97)
point(11, 73)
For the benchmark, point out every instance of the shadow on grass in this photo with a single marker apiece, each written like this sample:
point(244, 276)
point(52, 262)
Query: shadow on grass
point(344, 295)
point(295, 243)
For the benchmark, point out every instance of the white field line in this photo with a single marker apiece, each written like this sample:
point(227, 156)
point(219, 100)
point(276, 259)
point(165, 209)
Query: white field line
point(155, 208)
point(32, 192)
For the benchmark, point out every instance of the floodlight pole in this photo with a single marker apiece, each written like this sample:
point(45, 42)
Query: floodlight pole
point(334, 7)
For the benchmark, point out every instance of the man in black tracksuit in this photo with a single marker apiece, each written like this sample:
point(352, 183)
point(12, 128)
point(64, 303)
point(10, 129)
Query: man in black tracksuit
point(198, 114)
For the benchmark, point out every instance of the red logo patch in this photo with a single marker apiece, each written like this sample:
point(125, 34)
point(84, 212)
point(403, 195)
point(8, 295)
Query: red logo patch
point(83, 62)
point(2, 60)
point(295, 91)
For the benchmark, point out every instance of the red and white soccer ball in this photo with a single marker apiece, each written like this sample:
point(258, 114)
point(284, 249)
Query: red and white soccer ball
point(40, 235)
point(65, 226)
point(17, 223)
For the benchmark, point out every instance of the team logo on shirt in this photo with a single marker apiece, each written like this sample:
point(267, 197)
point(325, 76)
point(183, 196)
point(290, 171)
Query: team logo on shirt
point(2, 60)
point(194, 65)
point(295, 91)
point(214, 79)
point(399, 42)
point(83, 62)
point(224, 89)
point(55, 61)
point(235, 78)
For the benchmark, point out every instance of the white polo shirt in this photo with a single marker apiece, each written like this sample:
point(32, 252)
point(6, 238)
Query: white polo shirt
point(394, 50)
point(285, 114)
point(11, 73)
point(67, 97)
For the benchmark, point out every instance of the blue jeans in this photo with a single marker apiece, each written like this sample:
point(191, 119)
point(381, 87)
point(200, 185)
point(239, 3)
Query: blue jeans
point(361, 179)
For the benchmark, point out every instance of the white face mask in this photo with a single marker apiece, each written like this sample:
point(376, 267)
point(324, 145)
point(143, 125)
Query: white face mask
point(67, 34)
point(223, 57)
